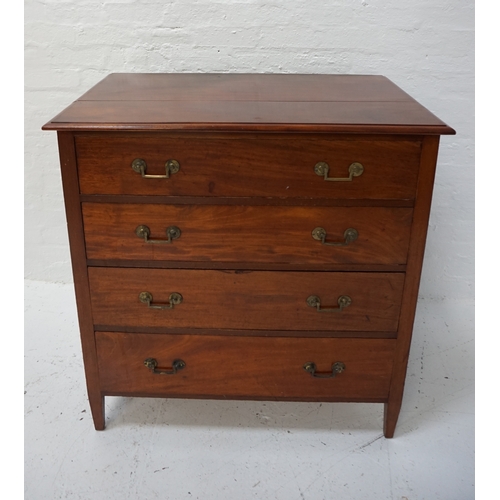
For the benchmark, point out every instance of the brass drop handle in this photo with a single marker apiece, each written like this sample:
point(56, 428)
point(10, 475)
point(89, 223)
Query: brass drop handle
point(322, 168)
point(173, 232)
point(337, 367)
point(174, 299)
point(152, 364)
point(140, 166)
point(343, 302)
point(350, 235)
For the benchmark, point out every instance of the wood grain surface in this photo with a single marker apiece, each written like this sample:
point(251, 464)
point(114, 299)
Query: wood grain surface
point(223, 367)
point(244, 87)
point(246, 300)
point(247, 233)
point(277, 166)
point(311, 103)
point(412, 282)
point(69, 175)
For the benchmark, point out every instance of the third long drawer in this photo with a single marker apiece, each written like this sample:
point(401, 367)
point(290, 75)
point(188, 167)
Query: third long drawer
point(260, 300)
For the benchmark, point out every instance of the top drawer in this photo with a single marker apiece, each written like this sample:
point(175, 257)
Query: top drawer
point(248, 165)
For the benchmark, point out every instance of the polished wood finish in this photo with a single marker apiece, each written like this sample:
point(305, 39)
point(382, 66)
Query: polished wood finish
point(77, 247)
point(412, 282)
point(218, 366)
point(244, 87)
point(252, 116)
point(247, 233)
point(271, 103)
point(246, 199)
point(248, 299)
point(279, 166)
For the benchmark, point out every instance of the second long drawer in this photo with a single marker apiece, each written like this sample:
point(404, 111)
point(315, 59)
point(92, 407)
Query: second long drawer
point(296, 235)
point(260, 300)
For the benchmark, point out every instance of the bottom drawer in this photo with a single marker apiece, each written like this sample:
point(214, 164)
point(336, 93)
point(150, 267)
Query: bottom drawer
point(245, 367)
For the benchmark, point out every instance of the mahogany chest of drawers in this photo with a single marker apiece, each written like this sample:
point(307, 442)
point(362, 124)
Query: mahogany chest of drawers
point(247, 236)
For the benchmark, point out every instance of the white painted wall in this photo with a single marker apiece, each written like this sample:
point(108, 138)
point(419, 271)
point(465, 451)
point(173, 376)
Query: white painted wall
point(425, 47)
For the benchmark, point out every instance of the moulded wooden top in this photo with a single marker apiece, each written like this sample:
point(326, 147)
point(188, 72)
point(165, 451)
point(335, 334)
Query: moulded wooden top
point(248, 102)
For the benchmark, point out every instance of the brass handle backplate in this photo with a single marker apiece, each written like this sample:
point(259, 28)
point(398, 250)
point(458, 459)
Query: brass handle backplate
point(140, 166)
point(343, 302)
point(174, 299)
point(322, 168)
point(350, 235)
point(173, 232)
point(337, 367)
point(152, 365)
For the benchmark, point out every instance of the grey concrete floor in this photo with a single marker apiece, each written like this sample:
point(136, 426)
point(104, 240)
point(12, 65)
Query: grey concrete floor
point(188, 449)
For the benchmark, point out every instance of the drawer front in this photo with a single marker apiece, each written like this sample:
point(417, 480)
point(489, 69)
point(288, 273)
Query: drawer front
point(263, 300)
point(247, 165)
point(214, 233)
point(262, 367)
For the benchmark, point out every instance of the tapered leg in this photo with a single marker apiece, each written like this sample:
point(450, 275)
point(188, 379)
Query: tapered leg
point(391, 414)
point(98, 411)
point(414, 262)
point(76, 235)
